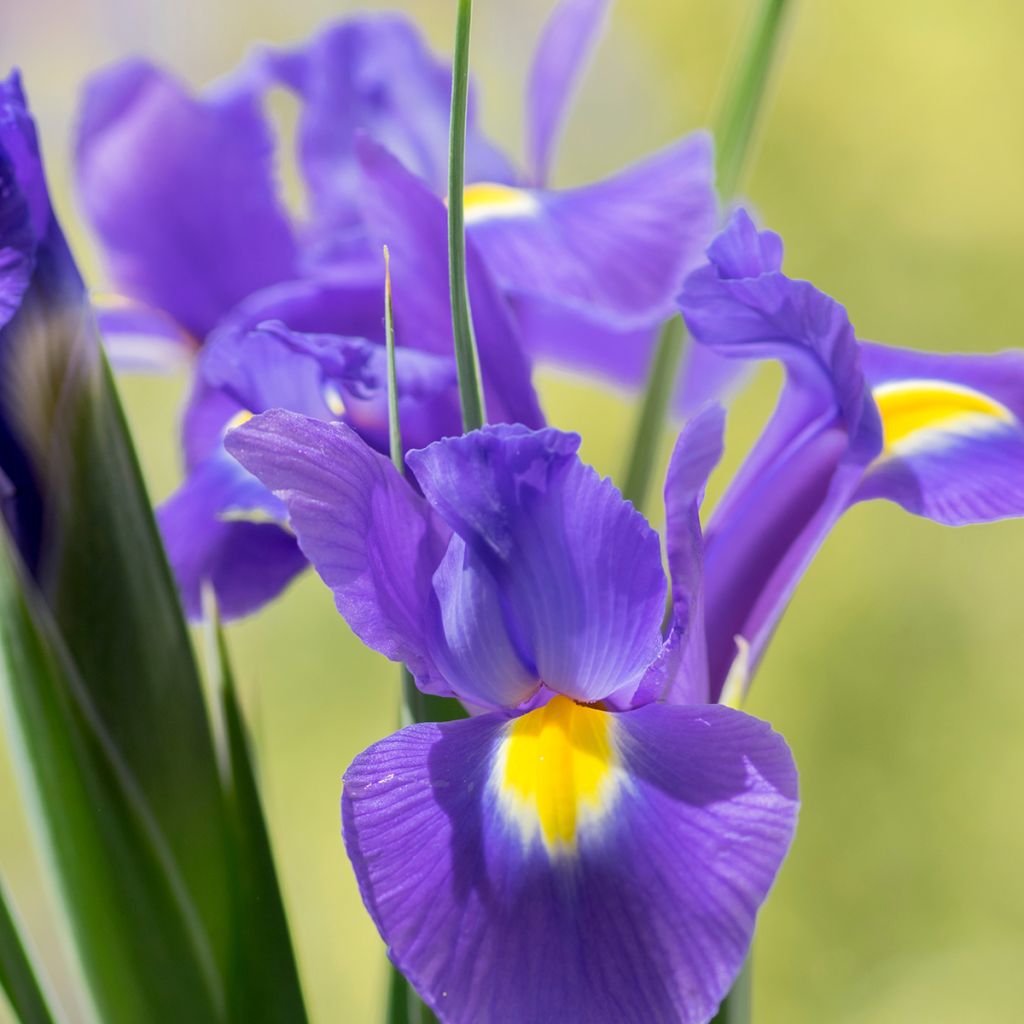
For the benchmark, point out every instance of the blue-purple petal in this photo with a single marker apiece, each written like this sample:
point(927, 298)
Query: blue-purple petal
point(222, 527)
point(579, 569)
point(803, 471)
point(373, 74)
point(621, 246)
point(960, 459)
point(646, 921)
point(696, 454)
point(371, 538)
point(402, 214)
point(180, 192)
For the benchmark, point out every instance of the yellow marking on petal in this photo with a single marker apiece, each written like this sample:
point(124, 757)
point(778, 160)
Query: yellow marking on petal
point(913, 411)
point(332, 396)
point(737, 682)
point(484, 201)
point(557, 770)
point(113, 300)
point(240, 417)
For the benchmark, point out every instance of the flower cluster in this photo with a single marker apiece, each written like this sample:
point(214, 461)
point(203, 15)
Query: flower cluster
point(594, 841)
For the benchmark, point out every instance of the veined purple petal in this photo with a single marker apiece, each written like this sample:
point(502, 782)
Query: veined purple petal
point(180, 192)
point(803, 471)
point(578, 568)
point(17, 241)
point(470, 642)
point(621, 246)
point(402, 213)
point(355, 372)
point(371, 538)
point(953, 429)
point(261, 370)
point(141, 339)
point(566, 43)
point(374, 74)
point(223, 527)
point(696, 454)
point(571, 864)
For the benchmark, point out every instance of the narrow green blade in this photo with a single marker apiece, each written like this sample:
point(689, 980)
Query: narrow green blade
point(108, 585)
point(19, 978)
point(141, 942)
point(467, 360)
point(263, 978)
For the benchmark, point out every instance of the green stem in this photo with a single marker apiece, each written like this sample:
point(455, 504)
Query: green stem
point(743, 99)
point(736, 1008)
point(654, 410)
point(467, 362)
point(394, 426)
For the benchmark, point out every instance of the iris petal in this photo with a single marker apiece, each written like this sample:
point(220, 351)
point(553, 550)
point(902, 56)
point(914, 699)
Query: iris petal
point(620, 246)
point(954, 433)
point(179, 190)
point(222, 527)
point(371, 538)
point(645, 921)
point(579, 569)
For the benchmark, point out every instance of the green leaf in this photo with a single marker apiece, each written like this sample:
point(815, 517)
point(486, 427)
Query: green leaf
point(467, 360)
point(104, 577)
point(263, 978)
point(118, 611)
point(19, 978)
point(139, 936)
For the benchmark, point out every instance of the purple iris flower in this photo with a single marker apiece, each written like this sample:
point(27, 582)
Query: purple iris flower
point(197, 226)
point(941, 435)
point(588, 846)
point(45, 322)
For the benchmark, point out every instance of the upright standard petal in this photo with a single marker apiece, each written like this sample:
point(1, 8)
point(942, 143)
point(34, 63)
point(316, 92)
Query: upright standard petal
point(621, 246)
point(371, 538)
point(696, 454)
point(579, 569)
point(568, 38)
point(803, 471)
point(953, 428)
point(402, 213)
point(373, 74)
point(571, 863)
point(180, 192)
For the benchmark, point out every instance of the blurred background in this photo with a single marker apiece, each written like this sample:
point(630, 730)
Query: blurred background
point(890, 161)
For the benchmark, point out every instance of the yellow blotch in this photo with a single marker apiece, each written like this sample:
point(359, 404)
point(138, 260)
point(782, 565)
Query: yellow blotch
point(910, 407)
point(558, 767)
point(240, 417)
point(484, 200)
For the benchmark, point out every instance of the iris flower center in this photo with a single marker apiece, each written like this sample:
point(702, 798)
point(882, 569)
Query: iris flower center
point(558, 769)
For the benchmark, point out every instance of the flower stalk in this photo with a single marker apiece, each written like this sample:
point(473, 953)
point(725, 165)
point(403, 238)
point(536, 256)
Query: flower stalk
point(735, 124)
point(471, 398)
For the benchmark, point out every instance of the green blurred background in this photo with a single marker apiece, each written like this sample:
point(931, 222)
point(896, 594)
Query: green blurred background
point(891, 161)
